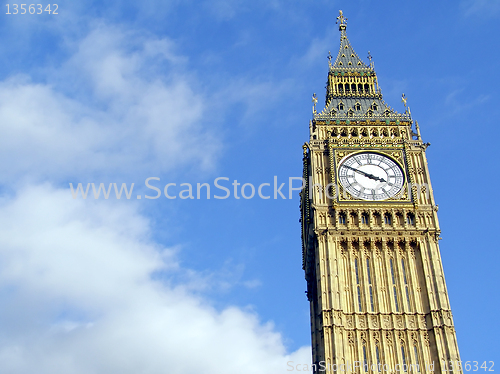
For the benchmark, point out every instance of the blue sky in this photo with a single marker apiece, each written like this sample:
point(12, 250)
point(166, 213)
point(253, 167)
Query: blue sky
point(189, 91)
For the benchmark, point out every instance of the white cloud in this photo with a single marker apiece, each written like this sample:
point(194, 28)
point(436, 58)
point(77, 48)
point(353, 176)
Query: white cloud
point(120, 104)
point(482, 7)
point(78, 297)
point(77, 277)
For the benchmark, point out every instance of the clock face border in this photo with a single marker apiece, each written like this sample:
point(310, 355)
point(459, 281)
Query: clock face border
point(396, 156)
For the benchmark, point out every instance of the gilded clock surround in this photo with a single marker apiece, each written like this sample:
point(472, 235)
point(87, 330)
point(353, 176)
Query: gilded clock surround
point(375, 281)
point(394, 155)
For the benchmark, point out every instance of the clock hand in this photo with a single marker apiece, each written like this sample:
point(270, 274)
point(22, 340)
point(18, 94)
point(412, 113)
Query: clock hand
point(371, 176)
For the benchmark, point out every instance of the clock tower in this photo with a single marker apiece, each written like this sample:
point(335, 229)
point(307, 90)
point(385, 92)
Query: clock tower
point(370, 233)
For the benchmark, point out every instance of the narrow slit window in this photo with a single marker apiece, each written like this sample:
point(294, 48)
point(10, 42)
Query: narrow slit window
point(371, 298)
point(404, 358)
point(377, 353)
point(394, 286)
point(368, 271)
point(396, 299)
point(416, 358)
point(406, 284)
point(392, 273)
point(365, 362)
point(404, 270)
point(357, 283)
point(356, 270)
point(369, 282)
point(408, 297)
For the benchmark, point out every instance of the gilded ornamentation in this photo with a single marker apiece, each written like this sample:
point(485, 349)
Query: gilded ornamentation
point(341, 18)
point(356, 120)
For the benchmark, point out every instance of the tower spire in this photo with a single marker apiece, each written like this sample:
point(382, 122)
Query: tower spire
point(346, 58)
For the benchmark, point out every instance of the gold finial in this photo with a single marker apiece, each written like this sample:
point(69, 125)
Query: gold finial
point(315, 101)
point(370, 58)
point(342, 20)
point(404, 99)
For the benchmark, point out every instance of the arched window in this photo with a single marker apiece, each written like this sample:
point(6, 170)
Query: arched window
point(342, 218)
point(387, 218)
point(410, 219)
point(365, 219)
point(399, 219)
point(357, 106)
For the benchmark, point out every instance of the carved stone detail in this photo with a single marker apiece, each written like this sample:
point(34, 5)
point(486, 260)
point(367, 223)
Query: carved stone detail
point(398, 228)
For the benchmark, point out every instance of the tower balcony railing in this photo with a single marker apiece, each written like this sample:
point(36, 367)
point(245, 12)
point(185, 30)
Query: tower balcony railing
point(355, 93)
point(393, 118)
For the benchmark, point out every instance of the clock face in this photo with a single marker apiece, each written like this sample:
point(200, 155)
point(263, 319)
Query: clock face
point(371, 176)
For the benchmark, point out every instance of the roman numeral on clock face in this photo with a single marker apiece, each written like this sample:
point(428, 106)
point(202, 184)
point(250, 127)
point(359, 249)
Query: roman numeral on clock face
point(363, 174)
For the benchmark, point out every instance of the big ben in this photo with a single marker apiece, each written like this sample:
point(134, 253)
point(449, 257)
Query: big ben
point(370, 233)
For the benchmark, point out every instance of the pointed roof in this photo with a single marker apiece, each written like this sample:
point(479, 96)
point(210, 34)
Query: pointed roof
point(347, 57)
point(354, 100)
